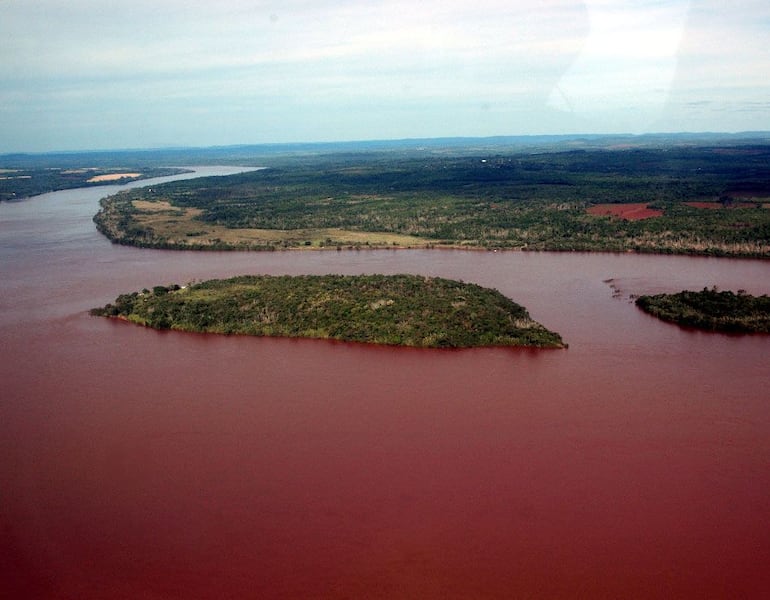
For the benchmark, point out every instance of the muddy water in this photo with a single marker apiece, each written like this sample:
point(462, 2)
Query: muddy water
point(143, 464)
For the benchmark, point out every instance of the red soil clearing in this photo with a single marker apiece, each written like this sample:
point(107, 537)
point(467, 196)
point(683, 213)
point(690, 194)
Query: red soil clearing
point(629, 212)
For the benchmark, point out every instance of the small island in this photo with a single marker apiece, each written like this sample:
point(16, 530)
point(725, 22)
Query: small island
point(712, 310)
point(402, 310)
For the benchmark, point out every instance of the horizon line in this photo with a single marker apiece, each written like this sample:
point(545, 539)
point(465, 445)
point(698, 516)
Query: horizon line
point(523, 137)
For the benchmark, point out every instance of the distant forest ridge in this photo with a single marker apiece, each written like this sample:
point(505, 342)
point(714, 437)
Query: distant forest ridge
point(246, 153)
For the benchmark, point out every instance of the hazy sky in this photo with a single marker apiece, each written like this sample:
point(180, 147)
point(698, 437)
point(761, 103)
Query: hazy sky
point(94, 74)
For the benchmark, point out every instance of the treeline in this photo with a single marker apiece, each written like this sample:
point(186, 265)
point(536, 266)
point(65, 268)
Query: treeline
point(404, 310)
point(712, 310)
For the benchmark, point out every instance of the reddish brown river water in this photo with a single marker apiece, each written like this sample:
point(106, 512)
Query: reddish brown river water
point(145, 464)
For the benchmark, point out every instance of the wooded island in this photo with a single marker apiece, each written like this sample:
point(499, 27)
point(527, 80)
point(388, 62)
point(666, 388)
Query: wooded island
point(403, 310)
point(712, 310)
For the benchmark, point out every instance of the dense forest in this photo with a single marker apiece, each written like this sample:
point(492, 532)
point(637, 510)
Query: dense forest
point(404, 310)
point(703, 199)
point(712, 310)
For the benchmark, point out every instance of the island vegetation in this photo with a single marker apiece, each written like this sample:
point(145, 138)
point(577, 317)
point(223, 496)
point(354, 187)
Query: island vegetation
point(712, 310)
point(403, 310)
point(557, 200)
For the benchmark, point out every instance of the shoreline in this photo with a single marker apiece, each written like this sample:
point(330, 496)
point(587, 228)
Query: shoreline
point(716, 253)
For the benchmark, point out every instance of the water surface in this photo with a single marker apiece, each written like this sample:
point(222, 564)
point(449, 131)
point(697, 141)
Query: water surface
point(145, 464)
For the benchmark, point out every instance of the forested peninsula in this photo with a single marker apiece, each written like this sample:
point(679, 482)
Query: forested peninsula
point(402, 310)
point(712, 310)
point(708, 200)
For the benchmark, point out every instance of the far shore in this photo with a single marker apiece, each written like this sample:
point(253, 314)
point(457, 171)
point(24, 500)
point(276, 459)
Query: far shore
point(113, 177)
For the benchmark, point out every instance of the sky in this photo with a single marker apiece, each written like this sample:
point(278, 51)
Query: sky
point(100, 74)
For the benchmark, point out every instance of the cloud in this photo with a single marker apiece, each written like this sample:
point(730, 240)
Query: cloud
point(428, 66)
point(627, 64)
point(146, 38)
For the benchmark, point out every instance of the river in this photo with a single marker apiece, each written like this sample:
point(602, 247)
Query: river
point(144, 464)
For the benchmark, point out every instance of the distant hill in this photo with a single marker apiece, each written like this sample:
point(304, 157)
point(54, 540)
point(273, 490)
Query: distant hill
point(248, 153)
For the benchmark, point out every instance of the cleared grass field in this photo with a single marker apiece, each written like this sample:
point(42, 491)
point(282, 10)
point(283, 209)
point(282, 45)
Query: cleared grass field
point(179, 226)
point(113, 177)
